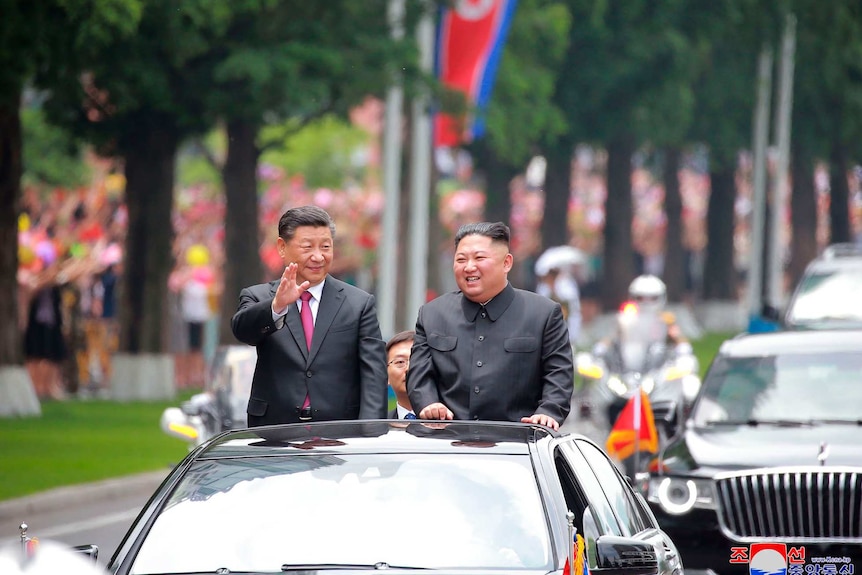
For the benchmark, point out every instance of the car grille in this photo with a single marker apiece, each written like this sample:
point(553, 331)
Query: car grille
point(797, 505)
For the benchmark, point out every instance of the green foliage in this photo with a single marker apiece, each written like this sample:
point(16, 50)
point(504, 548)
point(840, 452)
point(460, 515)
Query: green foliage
point(707, 346)
point(197, 161)
point(82, 441)
point(520, 112)
point(324, 152)
point(51, 157)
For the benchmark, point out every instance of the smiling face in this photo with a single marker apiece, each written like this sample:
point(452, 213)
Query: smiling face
point(311, 249)
point(481, 267)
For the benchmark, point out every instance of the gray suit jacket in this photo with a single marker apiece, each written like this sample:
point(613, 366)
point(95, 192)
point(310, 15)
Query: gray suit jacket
point(504, 361)
point(344, 374)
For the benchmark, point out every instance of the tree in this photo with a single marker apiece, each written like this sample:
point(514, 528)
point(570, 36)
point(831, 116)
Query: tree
point(624, 82)
point(290, 63)
point(36, 38)
point(142, 96)
point(725, 89)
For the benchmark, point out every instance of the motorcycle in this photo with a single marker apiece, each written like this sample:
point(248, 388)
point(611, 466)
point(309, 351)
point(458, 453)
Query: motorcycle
point(221, 405)
point(638, 358)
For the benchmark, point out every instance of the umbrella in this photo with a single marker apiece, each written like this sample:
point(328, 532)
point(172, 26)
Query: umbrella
point(559, 257)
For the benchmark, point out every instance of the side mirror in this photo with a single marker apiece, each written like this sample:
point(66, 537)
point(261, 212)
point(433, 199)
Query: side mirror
point(625, 556)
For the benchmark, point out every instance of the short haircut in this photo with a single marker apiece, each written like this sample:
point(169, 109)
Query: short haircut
point(304, 216)
point(497, 231)
point(400, 337)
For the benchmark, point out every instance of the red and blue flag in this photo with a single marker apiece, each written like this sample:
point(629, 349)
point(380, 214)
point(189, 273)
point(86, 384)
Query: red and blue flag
point(470, 43)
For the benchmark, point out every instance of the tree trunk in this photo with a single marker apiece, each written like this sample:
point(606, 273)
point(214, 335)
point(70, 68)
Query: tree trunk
point(498, 177)
point(242, 234)
point(143, 369)
point(17, 396)
point(558, 185)
point(839, 189)
point(618, 265)
point(803, 203)
point(719, 272)
point(10, 195)
point(149, 169)
point(674, 256)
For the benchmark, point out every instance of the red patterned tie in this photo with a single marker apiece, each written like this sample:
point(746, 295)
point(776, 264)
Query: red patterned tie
point(307, 327)
point(307, 318)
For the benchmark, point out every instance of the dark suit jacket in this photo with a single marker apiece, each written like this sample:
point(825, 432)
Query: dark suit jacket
point(344, 374)
point(504, 361)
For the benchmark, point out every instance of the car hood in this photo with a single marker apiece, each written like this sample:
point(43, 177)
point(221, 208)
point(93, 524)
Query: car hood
point(711, 449)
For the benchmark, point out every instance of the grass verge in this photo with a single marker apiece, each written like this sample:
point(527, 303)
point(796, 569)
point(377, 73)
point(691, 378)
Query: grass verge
point(78, 441)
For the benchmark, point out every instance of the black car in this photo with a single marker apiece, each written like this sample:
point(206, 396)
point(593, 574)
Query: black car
point(455, 497)
point(768, 471)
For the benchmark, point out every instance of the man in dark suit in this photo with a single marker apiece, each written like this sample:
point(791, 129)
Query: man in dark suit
point(397, 362)
point(320, 355)
point(490, 351)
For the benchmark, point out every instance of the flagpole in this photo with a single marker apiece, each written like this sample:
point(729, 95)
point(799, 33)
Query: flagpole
point(637, 426)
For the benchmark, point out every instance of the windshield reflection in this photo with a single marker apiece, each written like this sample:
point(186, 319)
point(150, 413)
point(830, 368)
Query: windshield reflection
point(416, 510)
point(800, 387)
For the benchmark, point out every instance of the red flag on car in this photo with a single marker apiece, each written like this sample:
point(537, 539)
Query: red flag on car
point(634, 429)
point(469, 45)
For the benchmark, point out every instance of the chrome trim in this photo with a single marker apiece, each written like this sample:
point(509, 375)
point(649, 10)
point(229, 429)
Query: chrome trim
point(807, 504)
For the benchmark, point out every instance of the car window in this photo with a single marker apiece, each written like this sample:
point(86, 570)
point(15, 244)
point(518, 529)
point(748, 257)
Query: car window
point(618, 491)
point(417, 510)
point(593, 491)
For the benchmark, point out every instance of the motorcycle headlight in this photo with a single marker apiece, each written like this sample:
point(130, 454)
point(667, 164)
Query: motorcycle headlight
point(588, 367)
point(648, 385)
point(679, 495)
point(616, 385)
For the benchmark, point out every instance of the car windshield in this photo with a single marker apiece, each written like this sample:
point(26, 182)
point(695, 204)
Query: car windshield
point(828, 296)
point(414, 510)
point(802, 387)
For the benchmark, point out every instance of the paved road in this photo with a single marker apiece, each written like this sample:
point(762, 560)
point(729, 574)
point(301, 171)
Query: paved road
point(97, 513)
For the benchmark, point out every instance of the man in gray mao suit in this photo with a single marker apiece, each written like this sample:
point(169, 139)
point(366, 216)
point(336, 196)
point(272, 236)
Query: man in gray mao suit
point(490, 351)
point(320, 355)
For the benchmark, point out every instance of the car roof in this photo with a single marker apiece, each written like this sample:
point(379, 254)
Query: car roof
point(376, 436)
point(792, 342)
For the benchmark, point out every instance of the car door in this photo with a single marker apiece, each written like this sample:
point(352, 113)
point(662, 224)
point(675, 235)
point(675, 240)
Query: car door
point(594, 515)
point(631, 517)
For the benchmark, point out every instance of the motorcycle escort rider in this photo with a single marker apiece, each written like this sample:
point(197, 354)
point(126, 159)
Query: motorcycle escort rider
point(649, 295)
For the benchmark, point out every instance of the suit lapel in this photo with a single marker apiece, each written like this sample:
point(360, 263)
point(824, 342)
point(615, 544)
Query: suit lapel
point(330, 302)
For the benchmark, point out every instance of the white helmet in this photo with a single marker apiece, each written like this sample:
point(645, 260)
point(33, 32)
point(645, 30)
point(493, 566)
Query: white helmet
point(649, 292)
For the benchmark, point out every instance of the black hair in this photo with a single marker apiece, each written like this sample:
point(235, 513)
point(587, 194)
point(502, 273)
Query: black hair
point(303, 216)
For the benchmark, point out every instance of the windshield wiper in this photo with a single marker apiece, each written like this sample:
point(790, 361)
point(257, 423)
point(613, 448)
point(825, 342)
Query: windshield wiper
point(838, 421)
point(338, 566)
point(755, 422)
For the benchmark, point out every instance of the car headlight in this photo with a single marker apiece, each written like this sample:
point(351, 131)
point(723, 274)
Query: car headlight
point(690, 387)
point(679, 495)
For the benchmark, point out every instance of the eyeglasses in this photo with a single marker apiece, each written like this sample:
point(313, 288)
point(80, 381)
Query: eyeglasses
point(400, 363)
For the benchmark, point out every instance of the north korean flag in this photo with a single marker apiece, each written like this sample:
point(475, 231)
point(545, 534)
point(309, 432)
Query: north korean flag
point(470, 42)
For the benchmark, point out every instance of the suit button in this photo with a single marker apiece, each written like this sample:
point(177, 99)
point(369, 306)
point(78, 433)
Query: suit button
point(476, 389)
point(484, 314)
point(308, 374)
point(478, 364)
point(481, 338)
